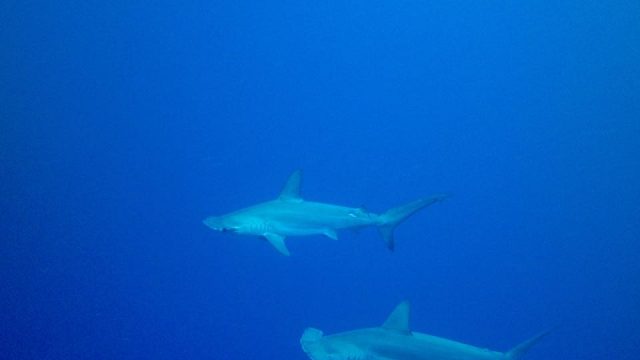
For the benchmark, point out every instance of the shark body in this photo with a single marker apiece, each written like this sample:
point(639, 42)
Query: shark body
point(394, 340)
point(290, 215)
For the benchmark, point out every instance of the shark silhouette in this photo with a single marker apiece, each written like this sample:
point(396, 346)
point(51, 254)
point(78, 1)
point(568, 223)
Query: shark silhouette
point(395, 340)
point(290, 215)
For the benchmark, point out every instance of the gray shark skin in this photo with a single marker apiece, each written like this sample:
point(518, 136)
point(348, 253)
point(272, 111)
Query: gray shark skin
point(290, 215)
point(394, 340)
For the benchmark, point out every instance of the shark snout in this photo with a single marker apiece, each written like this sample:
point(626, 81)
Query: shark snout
point(214, 222)
point(218, 224)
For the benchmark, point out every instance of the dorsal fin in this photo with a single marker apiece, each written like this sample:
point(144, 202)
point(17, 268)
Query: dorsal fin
point(291, 190)
point(399, 319)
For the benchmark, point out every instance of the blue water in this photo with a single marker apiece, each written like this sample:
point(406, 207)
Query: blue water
point(124, 124)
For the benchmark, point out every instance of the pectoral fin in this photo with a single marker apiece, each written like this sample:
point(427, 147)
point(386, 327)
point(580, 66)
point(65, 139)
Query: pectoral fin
point(331, 234)
point(278, 242)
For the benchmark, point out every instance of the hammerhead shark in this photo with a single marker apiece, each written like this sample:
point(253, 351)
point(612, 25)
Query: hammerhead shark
point(290, 215)
point(395, 340)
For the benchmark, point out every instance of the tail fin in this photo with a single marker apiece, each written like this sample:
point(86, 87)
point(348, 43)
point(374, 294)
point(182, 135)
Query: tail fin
point(518, 351)
point(393, 217)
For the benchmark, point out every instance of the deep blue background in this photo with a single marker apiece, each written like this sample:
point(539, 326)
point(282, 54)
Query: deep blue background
point(124, 124)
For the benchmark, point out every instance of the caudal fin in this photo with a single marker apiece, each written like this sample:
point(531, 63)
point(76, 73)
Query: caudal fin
point(518, 351)
point(393, 217)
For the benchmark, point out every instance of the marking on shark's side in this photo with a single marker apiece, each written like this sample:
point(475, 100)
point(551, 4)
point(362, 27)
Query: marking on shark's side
point(395, 340)
point(291, 215)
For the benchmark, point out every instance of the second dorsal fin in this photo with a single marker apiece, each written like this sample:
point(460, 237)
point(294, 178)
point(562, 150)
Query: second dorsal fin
point(291, 190)
point(399, 319)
